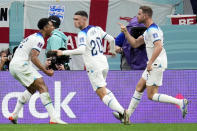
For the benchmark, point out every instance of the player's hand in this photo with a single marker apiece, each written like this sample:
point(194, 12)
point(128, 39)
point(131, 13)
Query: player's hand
point(149, 67)
point(118, 49)
point(123, 28)
point(113, 54)
point(112, 51)
point(49, 72)
point(59, 52)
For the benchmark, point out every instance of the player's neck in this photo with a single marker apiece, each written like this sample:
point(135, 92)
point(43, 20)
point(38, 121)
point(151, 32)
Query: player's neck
point(148, 22)
point(43, 33)
point(86, 25)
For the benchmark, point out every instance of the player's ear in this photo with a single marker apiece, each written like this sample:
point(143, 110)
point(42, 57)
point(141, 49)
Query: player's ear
point(44, 28)
point(84, 19)
point(146, 15)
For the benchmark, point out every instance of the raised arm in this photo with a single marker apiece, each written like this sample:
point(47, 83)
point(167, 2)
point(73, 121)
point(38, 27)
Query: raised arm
point(81, 46)
point(135, 43)
point(79, 51)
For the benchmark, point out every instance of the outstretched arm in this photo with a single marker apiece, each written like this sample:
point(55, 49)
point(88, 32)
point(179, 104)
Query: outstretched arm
point(81, 40)
point(134, 42)
point(79, 51)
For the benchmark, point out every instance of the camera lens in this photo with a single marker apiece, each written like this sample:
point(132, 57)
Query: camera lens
point(9, 57)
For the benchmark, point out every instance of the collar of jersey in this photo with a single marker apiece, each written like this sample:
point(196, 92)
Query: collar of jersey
point(87, 28)
point(39, 34)
point(153, 25)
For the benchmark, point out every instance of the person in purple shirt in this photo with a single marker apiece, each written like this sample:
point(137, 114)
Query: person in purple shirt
point(132, 58)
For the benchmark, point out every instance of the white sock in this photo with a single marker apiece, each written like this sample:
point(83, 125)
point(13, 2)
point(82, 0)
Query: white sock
point(165, 99)
point(134, 102)
point(24, 98)
point(111, 101)
point(46, 101)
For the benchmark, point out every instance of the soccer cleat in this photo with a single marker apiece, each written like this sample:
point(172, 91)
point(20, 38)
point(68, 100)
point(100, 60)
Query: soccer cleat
point(57, 121)
point(119, 116)
point(183, 107)
point(126, 118)
point(13, 119)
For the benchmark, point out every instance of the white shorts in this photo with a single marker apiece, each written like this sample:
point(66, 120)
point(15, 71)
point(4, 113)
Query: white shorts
point(97, 78)
point(24, 73)
point(154, 78)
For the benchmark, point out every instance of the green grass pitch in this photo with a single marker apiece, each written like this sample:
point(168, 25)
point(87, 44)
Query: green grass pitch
point(99, 127)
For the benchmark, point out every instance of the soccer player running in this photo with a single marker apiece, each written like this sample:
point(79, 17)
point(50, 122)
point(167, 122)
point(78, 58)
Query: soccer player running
point(23, 71)
point(90, 47)
point(157, 63)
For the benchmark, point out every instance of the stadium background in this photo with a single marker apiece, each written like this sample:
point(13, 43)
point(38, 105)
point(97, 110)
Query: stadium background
point(180, 43)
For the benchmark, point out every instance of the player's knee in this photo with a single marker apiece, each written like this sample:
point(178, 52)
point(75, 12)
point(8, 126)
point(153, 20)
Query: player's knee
point(40, 85)
point(43, 89)
point(139, 88)
point(31, 89)
point(101, 93)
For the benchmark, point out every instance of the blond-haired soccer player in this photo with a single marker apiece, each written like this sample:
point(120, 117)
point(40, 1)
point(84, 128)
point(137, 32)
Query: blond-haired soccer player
point(157, 63)
point(90, 46)
point(23, 71)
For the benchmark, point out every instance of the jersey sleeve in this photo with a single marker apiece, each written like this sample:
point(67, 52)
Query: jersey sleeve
point(120, 39)
point(82, 40)
point(154, 35)
point(38, 45)
point(102, 33)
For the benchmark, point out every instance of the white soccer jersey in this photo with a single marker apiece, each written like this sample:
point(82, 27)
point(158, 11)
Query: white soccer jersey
point(91, 37)
point(151, 35)
point(22, 53)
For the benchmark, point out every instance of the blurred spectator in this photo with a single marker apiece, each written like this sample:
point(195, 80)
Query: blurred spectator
point(59, 67)
point(194, 6)
point(57, 62)
point(58, 38)
point(5, 58)
point(132, 58)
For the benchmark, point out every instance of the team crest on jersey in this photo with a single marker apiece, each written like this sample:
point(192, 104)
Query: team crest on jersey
point(155, 35)
point(81, 39)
